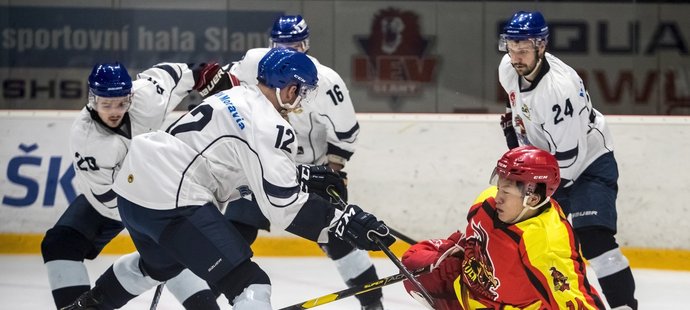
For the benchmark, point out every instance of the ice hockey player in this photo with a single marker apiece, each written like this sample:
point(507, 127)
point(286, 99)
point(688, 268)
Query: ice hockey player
point(549, 107)
point(174, 185)
point(117, 110)
point(326, 132)
point(518, 250)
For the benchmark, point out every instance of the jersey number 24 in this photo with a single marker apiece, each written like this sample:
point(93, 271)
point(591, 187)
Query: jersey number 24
point(568, 111)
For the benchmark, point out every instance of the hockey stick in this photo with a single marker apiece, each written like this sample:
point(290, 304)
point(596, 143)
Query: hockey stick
point(157, 296)
point(331, 191)
point(402, 237)
point(393, 232)
point(355, 290)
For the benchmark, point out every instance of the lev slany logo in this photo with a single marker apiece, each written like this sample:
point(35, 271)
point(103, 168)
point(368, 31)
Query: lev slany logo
point(395, 59)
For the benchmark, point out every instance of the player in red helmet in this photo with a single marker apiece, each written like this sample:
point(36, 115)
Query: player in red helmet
point(549, 108)
point(518, 250)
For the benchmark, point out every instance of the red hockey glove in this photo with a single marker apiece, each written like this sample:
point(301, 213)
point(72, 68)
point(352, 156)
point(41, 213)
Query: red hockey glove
point(445, 257)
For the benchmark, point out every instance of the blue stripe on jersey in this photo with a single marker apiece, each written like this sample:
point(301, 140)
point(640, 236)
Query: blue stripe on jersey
point(170, 70)
point(105, 197)
point(332, 149)
point(303, 223)
point(279, 191)
point(270, 189)
point(567, 155)
point(348, 134)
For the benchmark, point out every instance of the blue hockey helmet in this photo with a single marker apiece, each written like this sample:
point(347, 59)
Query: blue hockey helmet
point(524, 26)
point(290, 31)
point(282, 67)
point(110, 80)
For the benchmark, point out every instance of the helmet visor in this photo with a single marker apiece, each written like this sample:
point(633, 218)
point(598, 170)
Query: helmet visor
point(493, 180)
point(505, 46)
point(301, 46)
point(517, 190)
point(306, 94)
point(110, 104)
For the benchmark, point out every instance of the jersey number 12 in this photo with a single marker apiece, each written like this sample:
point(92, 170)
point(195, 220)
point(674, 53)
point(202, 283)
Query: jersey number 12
point(285, 137)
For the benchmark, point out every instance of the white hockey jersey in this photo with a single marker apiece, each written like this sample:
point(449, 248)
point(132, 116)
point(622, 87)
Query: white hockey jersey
point(327, 126)
point(234, 143)
point(554, 113)
point(99, 151)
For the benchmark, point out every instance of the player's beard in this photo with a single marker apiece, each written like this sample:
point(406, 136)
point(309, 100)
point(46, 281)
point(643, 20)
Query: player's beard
point(523, 69)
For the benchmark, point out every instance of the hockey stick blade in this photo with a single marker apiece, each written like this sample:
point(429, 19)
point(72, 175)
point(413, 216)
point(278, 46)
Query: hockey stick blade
point(388, 253)
point(355, 290)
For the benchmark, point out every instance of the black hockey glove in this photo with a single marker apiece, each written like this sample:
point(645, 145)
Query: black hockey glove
point(357, 227)
point(210, 79)
point(508, 130)
point(319, 179)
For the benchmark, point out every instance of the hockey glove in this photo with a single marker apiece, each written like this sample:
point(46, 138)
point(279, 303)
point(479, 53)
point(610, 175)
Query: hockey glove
point(319, 179)
point(507, 121)
point(508, 130)
point(358, 228)
point(507, 126)
point(445, 258)
point(210, 79)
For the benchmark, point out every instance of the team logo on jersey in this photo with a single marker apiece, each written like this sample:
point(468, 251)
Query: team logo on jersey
point(525, 111)
point(560, 282)
point(512, 98)
point(395, 60)
point(522, 130)
point(477, 268)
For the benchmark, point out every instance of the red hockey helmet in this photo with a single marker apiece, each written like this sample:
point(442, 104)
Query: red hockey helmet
point(529, 165)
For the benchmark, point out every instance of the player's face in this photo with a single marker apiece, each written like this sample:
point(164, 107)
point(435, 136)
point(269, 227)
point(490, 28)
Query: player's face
point(523, 56)
point(298, 95)
point(111, 110)
point(509, 199)
point(300, 46)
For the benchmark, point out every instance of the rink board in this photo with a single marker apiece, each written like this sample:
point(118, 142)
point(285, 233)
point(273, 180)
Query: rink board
point(418, 172)
point(667, 259)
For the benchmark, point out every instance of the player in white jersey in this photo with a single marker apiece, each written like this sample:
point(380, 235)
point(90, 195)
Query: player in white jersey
point(174, 185)
point(550, 108)
point(118, 109)
point(326, 131)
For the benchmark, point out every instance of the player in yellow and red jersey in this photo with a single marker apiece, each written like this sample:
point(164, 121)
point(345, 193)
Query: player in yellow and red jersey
point(518, 250)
